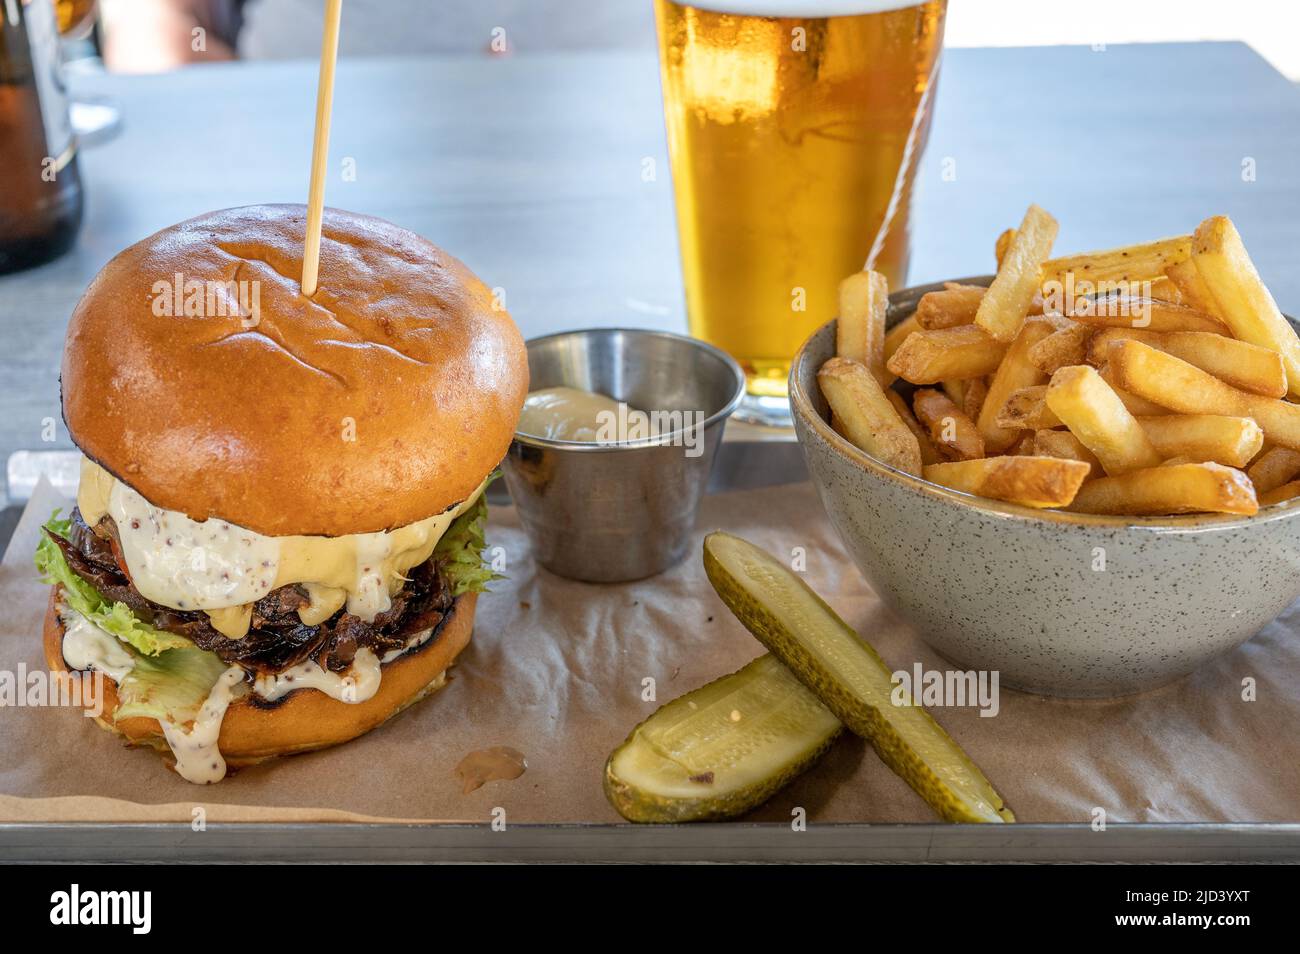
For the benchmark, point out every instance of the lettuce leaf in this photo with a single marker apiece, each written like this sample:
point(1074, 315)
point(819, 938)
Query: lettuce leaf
point(170, 687)
point(114, 618)
point(170, 677)
point(460, 551)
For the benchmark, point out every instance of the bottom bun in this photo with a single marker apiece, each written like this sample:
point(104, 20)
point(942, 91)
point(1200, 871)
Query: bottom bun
point(306, 719)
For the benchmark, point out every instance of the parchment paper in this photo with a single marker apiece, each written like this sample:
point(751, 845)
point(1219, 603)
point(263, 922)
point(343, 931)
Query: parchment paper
point(555, 670)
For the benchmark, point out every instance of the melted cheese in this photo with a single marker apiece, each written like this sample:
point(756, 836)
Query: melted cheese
point(216, 566)
point(233, 621)
point(325, 602)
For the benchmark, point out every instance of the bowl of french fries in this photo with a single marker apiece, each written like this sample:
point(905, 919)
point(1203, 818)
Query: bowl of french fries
point(1082, 471)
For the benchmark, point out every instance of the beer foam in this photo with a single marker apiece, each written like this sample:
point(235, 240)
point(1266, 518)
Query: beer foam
point(798, 8)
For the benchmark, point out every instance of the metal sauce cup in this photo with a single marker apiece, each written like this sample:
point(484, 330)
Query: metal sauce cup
point(613, 512)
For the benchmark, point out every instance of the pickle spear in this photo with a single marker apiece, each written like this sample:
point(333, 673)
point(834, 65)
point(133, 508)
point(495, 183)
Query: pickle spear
point(792, 621)
point(721, 750)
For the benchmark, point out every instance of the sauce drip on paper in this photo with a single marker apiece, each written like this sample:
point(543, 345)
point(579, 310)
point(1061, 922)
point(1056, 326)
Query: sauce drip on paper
point(500, 762)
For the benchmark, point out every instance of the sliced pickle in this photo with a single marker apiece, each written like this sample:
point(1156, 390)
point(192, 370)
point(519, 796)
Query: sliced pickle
point(792, 621)
point(721, 750)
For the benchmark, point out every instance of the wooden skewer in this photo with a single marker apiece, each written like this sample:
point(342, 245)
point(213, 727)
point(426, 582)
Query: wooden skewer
point(329, 54)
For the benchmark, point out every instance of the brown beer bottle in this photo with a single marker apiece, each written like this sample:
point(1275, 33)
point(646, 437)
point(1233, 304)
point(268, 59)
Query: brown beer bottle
point(40, 187)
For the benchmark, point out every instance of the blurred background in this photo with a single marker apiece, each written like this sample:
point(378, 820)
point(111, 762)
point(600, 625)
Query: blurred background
point(155, 35)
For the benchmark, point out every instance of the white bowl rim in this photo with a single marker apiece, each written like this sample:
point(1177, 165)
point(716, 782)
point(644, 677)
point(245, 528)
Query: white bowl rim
point(902, 304)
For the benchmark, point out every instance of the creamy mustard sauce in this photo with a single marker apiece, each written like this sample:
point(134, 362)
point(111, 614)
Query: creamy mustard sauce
point(216, 566)
point(419, 639)
point(571, 414)
point(358, 684)
point(87, 646)
point(198, 759)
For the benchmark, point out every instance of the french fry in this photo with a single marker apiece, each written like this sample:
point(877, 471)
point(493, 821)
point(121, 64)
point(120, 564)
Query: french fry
point(1149, 379)
point(1062, 348)
point(1130, 263)
point(1231, 441)
point(929, 357)
point(1241, 364)
point(1185, 388)
point(896, 335)
point(1191, 287)
point(860, 328)
point(1164, 289)
point(1158, 491)
point(1003, 309)
point(1025, 446)
point(1095, 414)
point(1015, 372)
point(1285, 492)
point(953, 433)
point(1273, 468)
point(1123, 311)
point(867, 417)
point(1244, 302)
point(1003, 243)
point(1137, 406)
point(1027, 409)
point(1031, 481)
point(929, 453)
point(955, 305)
point(1065, 445)
point(973, 395)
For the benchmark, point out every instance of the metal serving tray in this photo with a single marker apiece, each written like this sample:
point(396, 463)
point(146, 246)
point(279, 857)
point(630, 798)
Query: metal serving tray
point(750, 457)
point(649, 843)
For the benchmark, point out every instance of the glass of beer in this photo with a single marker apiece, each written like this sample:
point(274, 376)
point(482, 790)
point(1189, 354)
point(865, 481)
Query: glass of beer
point(795, 128)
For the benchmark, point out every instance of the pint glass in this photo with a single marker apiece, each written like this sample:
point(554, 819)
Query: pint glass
point(794, 128)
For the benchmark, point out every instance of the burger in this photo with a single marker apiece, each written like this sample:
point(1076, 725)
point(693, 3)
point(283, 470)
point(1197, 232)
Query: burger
point(277, 540)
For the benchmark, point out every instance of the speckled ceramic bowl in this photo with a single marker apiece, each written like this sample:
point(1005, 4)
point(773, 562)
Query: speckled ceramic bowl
point(1060, 604)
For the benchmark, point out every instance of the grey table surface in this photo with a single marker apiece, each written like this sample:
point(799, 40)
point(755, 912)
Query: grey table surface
point(530, 168)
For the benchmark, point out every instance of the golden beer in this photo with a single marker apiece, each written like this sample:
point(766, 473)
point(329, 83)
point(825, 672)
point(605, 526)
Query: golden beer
point(794, 141)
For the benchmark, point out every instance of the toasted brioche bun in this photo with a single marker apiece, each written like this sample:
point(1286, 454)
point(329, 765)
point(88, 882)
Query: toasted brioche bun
point(384, 399)
point(306, 719)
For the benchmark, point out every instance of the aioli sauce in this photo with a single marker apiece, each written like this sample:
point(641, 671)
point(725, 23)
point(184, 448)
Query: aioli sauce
point(571, 414)
point(198, 759)
point(86, 646)
point(358, 684)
